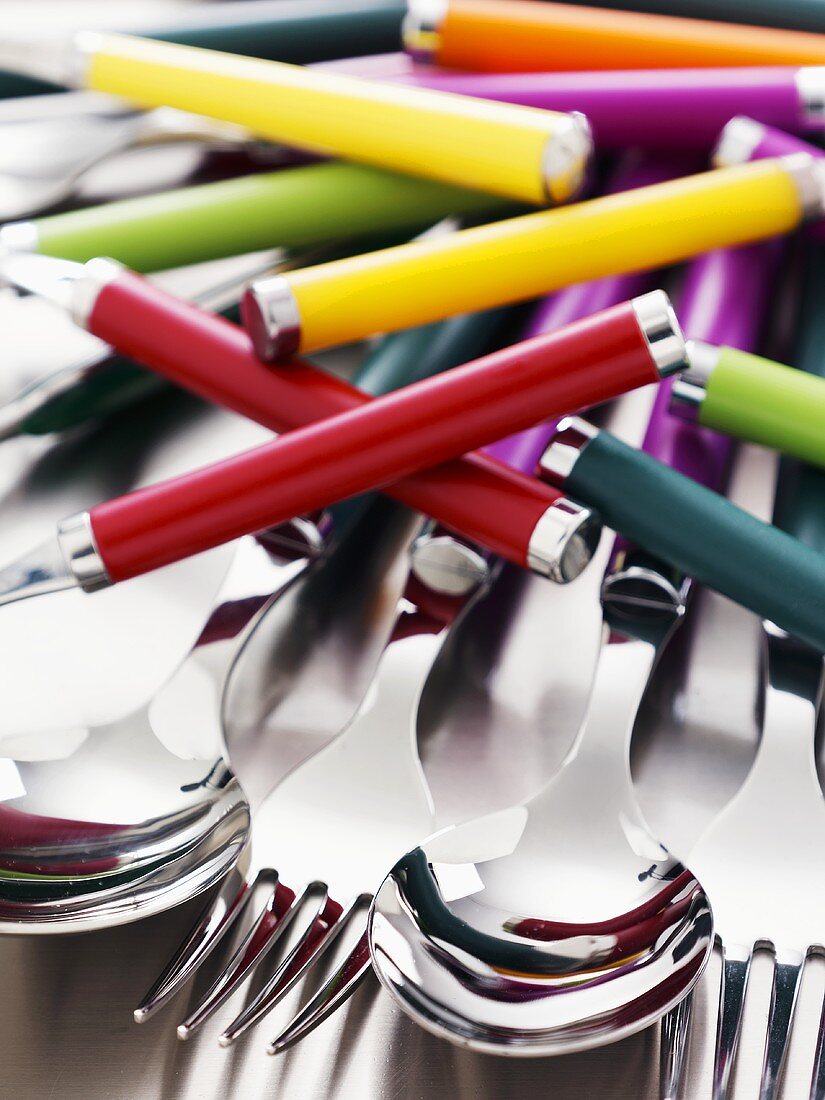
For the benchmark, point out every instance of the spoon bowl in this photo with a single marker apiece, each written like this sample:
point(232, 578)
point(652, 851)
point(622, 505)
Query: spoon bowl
point(560, 924)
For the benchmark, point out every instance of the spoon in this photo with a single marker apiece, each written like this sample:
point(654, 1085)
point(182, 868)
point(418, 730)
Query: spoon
point(559, 924)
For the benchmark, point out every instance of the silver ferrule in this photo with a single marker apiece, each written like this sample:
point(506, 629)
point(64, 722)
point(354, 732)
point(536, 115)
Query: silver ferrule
point(808, 175)
point(571, 437)
point(566, 158)
point(57, 59)
point(19, 237)
point(686, 400)
point(689, 391)
point(96, 275)
point(662, 332)
point(271, 318)
point(637, 588)
point(810, 87)
point(448, 566)
point(80, 553)
point(738, 141)
point(563, 541)
point(421, 28)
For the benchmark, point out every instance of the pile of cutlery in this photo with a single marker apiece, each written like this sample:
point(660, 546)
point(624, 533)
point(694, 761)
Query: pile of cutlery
point(560, 265)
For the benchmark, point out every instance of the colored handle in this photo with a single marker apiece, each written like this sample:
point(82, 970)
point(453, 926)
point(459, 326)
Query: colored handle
point(299, 31)
point(673, 111)
point(524, 450)
point(522, 36)
point(537, 253)
point(407, 357)
point(476, 495)
point(800, 502)
point(507, 150)
point(287, 209)
point(704, 535)
point(724, 300)
point(802, 15)
point(422, 425)
point(745, 140)
point(762, 401)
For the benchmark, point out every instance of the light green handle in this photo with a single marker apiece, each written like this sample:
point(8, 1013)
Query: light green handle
point(764, 402)
point(292, 208)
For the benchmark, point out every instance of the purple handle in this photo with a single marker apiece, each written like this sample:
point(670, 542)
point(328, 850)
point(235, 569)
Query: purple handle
point(745, 139)
point(524, 449)
point(669, 110)
point(723, 302)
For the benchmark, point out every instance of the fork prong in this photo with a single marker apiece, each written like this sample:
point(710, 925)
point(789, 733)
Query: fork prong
point(787, 975)
point(336, 990)
point(321, 931)
point(675, 1036)
point(212, 924)
point(818, 1075)
point(270, 924)
point(735, 971)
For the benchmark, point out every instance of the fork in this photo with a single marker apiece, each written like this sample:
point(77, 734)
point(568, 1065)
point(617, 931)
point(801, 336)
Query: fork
point(326, 834)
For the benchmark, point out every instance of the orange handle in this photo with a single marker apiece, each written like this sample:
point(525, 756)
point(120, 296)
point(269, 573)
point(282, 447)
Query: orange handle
point(525, 35)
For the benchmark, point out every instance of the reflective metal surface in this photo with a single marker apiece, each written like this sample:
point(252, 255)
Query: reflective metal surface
point(327, 832)
point(560, 924)
point(44, 154)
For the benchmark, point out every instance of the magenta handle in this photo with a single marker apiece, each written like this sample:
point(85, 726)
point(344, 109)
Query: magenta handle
point(723, 302)
point(671, 110)
point(524, 449)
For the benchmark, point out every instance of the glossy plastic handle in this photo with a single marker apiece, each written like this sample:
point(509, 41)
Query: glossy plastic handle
point(801, 15)
point(530, 156)
point(800, 502)
point(289, 209)
point(703, 535)
point(521, 36)
point(768, 403)
point(422, 425)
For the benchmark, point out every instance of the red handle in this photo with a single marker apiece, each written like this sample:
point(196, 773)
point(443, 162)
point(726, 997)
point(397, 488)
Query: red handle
point(374, 444)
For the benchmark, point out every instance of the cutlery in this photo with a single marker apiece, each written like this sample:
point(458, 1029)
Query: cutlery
point(292, 208)
point(297, 642)
point(528, 256)
point(669, 515)
point(326, 833)
point(530, 156)
point(559, 924)
point(743, 139)
point(521, 36)
point(495, 699)
point(643, 605)
point(637, 342)
point(42, 161)
point(674, 110)
point(299, 31)
point(753, 398)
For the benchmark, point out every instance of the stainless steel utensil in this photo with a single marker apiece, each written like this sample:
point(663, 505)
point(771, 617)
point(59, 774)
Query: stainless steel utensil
point(326, 833)
point(559, 924)
point(48, 143)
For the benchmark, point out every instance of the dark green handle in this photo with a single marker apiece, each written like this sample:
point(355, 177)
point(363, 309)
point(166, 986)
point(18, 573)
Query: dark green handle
point(800, 498)
point(299, 31)
point(703, 534)
point(407, 357)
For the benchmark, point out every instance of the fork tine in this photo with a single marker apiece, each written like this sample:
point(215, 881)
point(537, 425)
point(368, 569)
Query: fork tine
point(270, 924)
point(335, 991)
point(321, 931)
point(735, 973)
point(674, 1043)
point(787, 975)
point(211, 926)
point(818, 1075)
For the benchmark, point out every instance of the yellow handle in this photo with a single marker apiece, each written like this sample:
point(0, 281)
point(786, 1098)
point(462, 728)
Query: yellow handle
point(519, 152)
point(529, 256)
